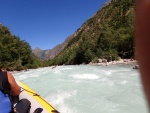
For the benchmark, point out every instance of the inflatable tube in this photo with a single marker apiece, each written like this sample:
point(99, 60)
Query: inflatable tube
point(36, 100)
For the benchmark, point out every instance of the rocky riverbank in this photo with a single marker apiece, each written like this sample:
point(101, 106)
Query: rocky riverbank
point(103, 62)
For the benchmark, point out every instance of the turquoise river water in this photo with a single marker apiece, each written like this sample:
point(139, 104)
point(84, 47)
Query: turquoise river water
point(88, 89)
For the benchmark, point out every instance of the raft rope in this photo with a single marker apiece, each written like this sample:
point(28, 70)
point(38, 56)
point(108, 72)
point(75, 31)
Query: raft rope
point(35, 94)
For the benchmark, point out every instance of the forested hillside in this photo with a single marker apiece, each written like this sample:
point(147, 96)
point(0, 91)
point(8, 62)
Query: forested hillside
point(110, 32)
point(15, 54)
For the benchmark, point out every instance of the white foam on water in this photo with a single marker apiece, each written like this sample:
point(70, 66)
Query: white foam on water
point(59, 98)
point(123, 82)
point(108, 72)
point(104, 79)
point(66, 68)
point(65, 109)
point(85, 76)
point(111, 83)
point(34, 75)
point(26, 76)
point(21, 77)
point(57, 71)
point(44, 72)
point(110, 89)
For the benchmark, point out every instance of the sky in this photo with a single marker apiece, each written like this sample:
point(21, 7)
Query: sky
point(46, 23)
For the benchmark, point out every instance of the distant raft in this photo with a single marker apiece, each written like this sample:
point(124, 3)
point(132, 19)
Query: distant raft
point(36, 100)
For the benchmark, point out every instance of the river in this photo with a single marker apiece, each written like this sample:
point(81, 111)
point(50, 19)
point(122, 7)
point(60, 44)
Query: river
point(88, 89)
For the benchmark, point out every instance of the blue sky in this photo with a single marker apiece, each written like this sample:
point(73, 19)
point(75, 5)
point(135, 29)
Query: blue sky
point(46, 23)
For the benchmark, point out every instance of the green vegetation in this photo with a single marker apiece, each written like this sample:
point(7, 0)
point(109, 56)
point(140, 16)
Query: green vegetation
point(108, 33)
point(15, 54)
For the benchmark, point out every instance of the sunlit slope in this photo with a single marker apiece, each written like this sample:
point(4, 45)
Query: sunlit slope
point(110, 32)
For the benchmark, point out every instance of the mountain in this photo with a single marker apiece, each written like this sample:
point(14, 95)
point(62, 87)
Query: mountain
point(51, 53)
point(110, 32)
point(37, 51)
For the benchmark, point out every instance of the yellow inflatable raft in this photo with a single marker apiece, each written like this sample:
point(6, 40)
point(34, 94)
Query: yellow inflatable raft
point(36, 100)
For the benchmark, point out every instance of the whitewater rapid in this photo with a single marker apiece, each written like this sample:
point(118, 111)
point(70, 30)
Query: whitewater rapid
point(88, 89)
